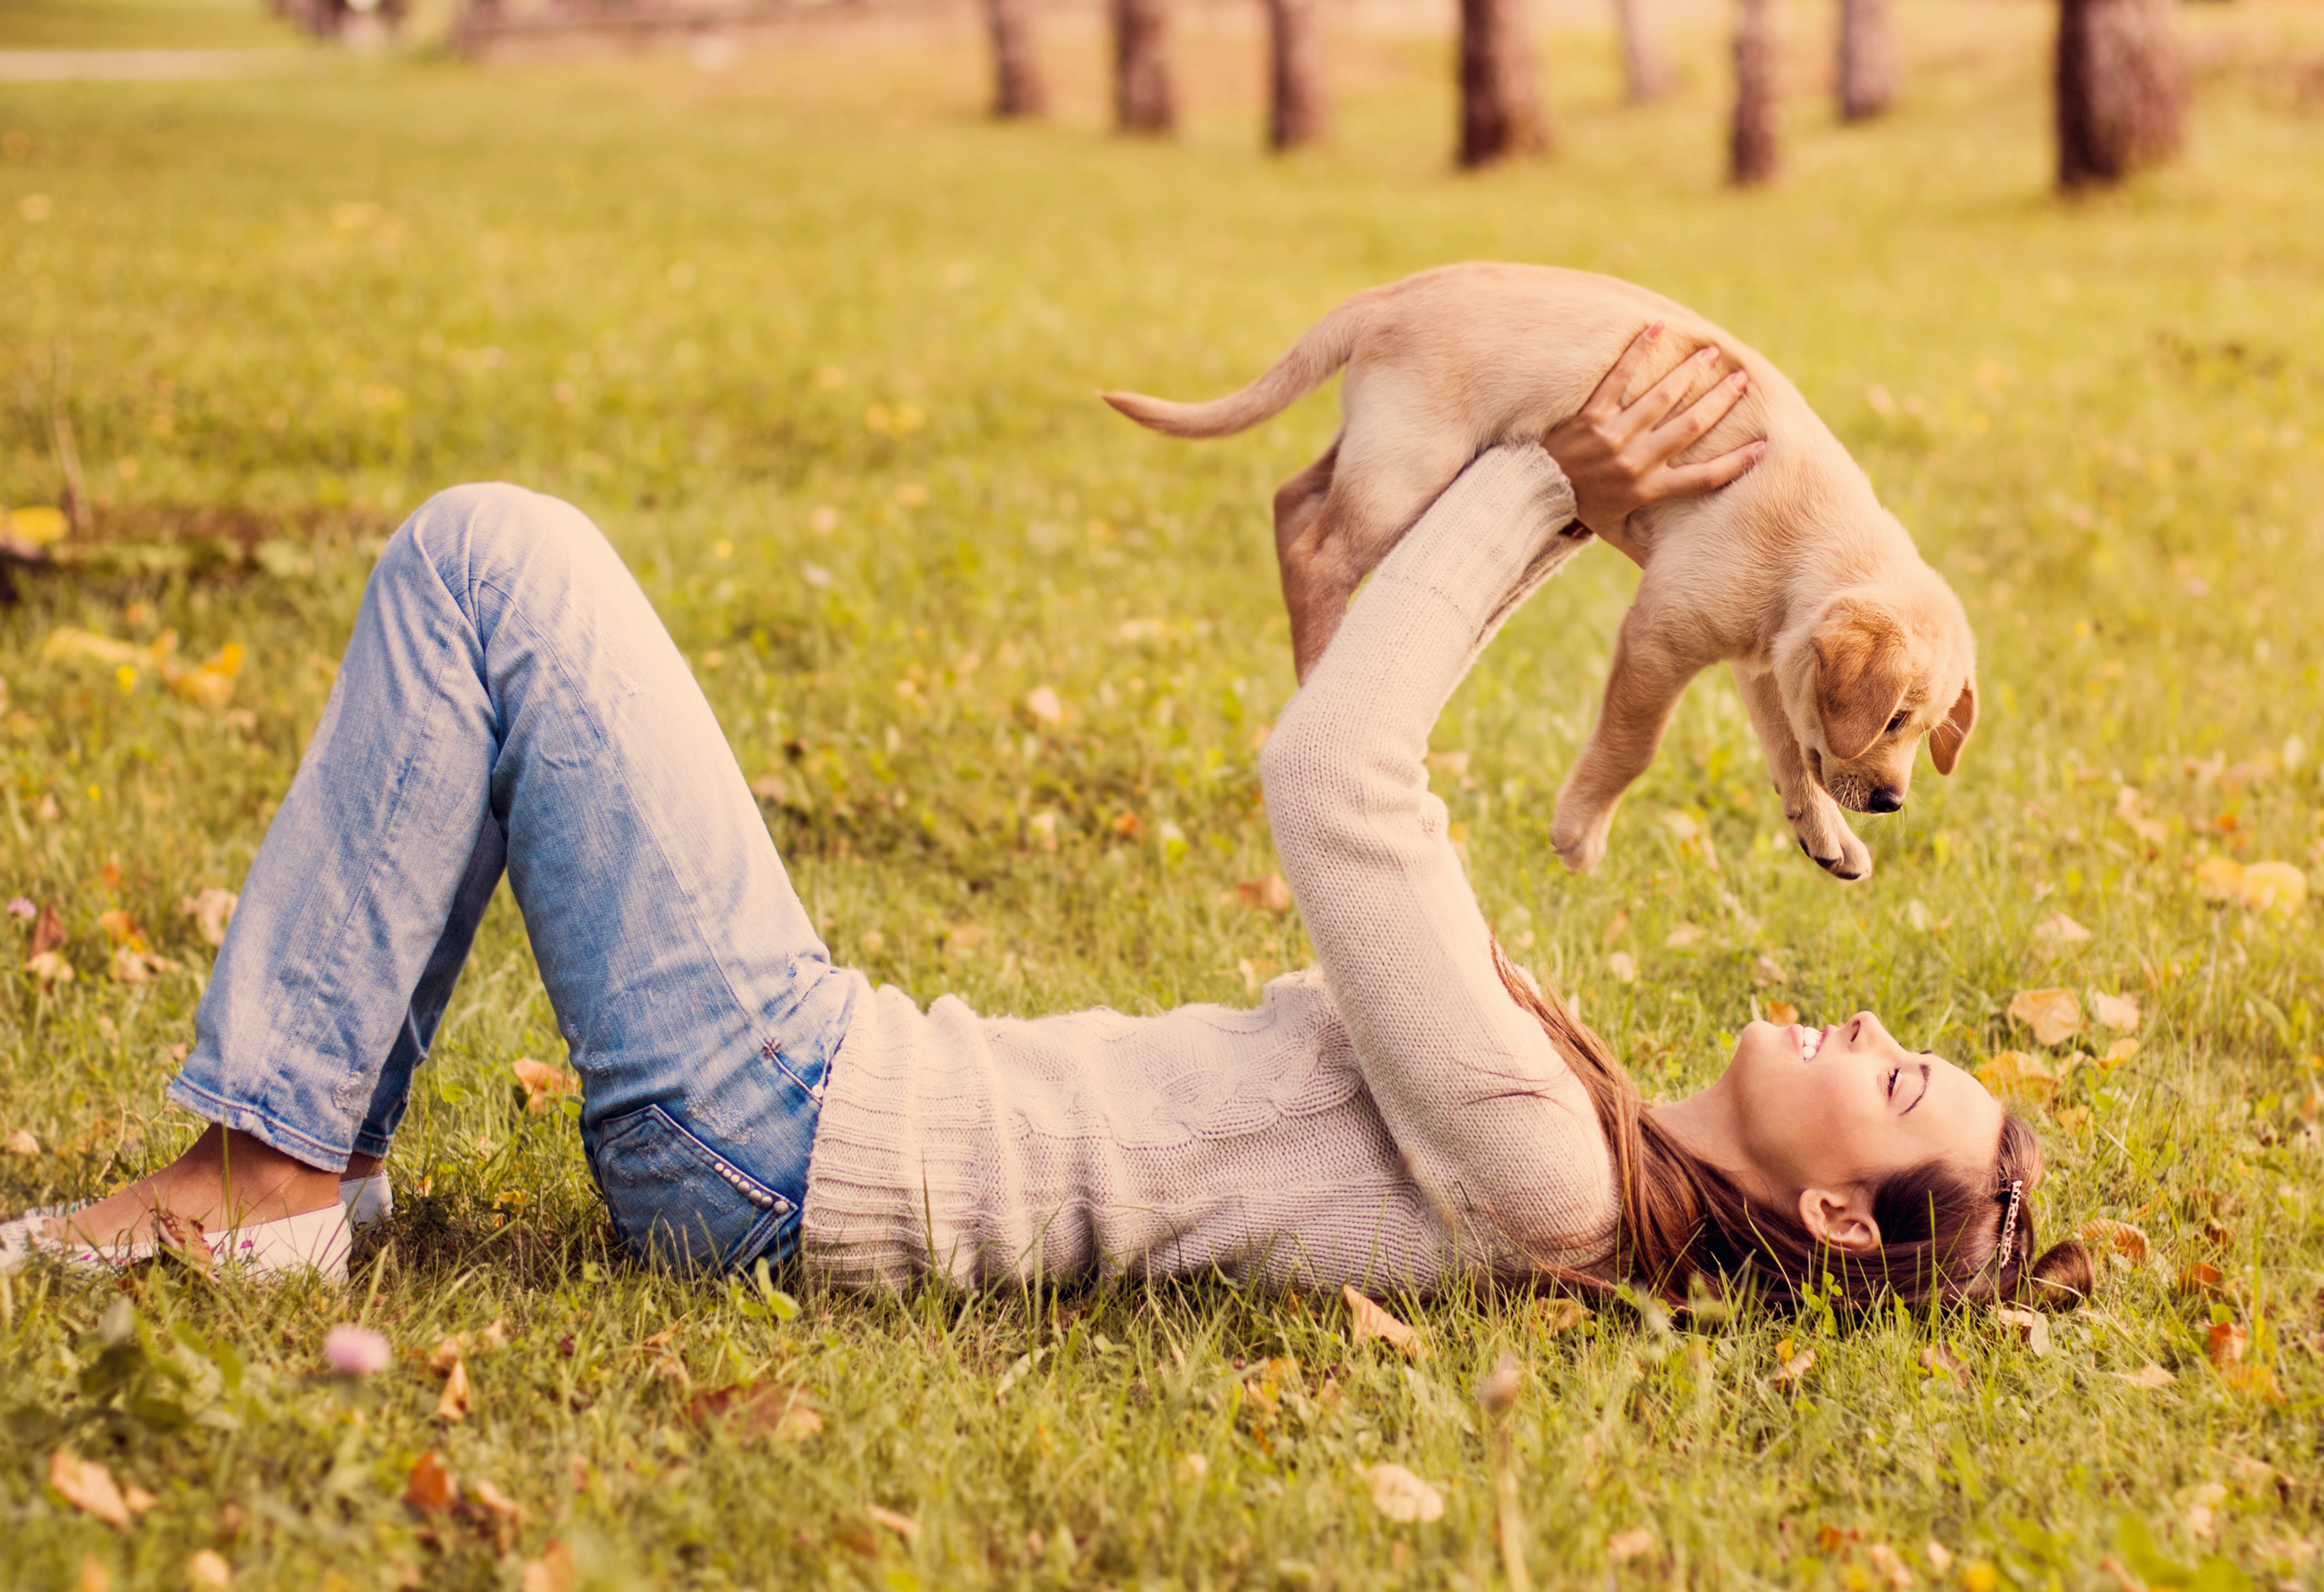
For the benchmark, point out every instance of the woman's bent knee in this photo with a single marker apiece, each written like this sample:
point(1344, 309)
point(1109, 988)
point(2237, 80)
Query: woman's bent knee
point(493, 533)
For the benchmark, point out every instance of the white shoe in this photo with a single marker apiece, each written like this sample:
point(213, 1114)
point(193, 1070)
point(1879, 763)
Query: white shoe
point(313, 1240)
point(22, 1239)
point(367, 1199)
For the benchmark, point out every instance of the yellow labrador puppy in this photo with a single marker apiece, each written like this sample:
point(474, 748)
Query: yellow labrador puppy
point(1849, 649)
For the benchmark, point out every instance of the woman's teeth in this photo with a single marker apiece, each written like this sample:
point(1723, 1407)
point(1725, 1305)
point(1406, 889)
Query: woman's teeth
point(1810, 1041)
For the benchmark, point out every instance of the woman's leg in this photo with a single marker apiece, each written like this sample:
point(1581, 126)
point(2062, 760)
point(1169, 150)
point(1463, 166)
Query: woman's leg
point(509, 697)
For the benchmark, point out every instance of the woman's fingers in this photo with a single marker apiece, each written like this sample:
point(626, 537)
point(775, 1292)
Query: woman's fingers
point(1606, 400)
point(1687, 481)
point(1681, 429)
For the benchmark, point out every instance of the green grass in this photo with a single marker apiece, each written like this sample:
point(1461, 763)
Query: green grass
point(294, 308)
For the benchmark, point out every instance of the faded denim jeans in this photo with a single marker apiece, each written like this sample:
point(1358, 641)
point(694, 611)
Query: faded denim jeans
point(510, 702)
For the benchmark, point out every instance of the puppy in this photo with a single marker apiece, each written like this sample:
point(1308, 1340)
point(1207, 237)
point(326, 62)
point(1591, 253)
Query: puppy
point(1849, 650)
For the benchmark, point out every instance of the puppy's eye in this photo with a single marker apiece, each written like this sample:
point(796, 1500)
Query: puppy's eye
point(1896, 723)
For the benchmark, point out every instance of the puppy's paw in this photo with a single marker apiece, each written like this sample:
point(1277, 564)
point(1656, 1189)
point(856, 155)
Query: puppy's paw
point(1580, 836)
point(1840, 853)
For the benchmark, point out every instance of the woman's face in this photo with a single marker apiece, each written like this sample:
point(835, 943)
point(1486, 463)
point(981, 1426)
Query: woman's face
point(1841, 1108)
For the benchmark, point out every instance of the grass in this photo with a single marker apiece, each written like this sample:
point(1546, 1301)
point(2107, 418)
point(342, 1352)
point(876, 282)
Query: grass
point(813, 315)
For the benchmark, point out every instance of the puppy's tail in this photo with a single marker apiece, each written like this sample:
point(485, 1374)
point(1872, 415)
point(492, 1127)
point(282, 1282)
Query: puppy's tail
point(1324, 349)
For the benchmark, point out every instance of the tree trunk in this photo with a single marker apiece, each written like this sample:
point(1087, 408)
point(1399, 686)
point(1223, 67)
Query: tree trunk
point(1017, 89)
point(2120, 88)
point(1751, 154)
point(1142, 101)
point(1298, 112)
point(1867, 59)
point(1501, 111)
point(1646, 69)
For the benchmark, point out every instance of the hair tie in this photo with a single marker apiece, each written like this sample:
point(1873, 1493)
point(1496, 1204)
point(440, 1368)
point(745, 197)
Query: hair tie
point(2014, 1191)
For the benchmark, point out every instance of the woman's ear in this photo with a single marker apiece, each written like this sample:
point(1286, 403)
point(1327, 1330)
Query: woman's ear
point(1841, 1220)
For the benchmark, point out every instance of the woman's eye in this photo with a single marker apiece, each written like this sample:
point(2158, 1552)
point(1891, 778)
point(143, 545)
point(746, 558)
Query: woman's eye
point(1894, 1073)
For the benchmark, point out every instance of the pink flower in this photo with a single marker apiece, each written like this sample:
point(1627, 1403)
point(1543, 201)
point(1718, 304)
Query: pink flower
point(20, 907)
point(358, 1351)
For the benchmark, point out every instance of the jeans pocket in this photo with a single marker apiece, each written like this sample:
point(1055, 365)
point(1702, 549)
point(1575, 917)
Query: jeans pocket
point(676, 1201)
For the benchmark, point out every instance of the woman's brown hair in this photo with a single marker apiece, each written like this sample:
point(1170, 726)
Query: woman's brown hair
point(1685, 1225)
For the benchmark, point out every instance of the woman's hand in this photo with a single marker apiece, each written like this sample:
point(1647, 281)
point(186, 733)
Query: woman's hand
point(1618, 456)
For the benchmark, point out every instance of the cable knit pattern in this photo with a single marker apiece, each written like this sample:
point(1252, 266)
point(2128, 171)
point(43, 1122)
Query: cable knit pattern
point(1384, 1118)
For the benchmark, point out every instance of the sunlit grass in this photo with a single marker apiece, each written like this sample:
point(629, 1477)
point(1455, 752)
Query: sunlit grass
point(817, 348)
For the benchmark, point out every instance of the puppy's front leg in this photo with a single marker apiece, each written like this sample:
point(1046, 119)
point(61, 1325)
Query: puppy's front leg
point(1815, 817)
point(1642, 691)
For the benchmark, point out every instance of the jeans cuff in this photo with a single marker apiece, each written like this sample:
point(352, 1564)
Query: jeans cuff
point(269, 1130)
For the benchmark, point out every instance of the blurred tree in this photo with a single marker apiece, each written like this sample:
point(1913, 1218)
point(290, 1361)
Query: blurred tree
point(1646, 69)
point(1501, 109)
point(2120, 88)
point(1297, 111)
point(1017, 89)
point(1142, 100)
point(1751, 154)
point(1867, 59)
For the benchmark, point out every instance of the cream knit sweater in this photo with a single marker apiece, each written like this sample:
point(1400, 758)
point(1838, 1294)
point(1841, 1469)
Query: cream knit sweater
point(1385, 1118)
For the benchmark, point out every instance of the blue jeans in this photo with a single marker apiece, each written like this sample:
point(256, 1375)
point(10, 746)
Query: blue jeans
point(510, 702)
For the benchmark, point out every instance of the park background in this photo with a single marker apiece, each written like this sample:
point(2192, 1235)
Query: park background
point(815, 338)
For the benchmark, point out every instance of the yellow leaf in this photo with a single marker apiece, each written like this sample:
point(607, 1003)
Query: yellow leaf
point(2117, 1012)
point(2150, 1377)
point(2057, 930)
point(88, 1487)
point(2015, 1072)
point(133, 965)
point(2030, 1325)
point(1271, 893)
point(1625, 1546)
point(94, 1576)
point(778, 1412)
point(1979, 1575)
point(39, 525)
point(2053, 1015)
point(2227, 1342)
point(1402, 1497)
point(1623, 966)
point(543, 1084)
point(448, 1354)
point(2116, 1054)
point(1798, 1366)
point(551, 1572)
point(212, 910)
point(1559, 1315)
point(1370, 1321)
point(208, 1569)
point(20, 1143)
point(2274, 887)
point(88, 647)
point(1783, 1013)
point(2125, 1240)
point(1042, 705)
point(431, 1489)
point(903, 1526)
point(454, 1404)
point(49, 967)
point(2221, 878)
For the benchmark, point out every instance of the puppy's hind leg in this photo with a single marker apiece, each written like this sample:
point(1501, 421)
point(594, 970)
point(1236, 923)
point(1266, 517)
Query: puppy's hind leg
point(1299, 500)
point(1642, 692)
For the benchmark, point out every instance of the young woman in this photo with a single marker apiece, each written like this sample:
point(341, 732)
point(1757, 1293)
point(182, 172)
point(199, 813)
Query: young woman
point(1410, 1109)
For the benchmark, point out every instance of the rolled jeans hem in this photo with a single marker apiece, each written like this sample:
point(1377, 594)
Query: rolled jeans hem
point(271, 1130)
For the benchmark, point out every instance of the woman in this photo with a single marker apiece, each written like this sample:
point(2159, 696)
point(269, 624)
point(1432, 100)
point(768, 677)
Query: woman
point(1412, 1110)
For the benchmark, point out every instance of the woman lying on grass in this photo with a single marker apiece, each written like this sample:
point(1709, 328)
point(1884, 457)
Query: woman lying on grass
point(1413, 1108)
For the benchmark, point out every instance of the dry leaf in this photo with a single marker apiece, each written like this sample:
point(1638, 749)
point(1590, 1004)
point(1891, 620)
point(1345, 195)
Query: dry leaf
point(2056, 932)
point(1042, 704)
point(552, 1571)
point(1624, 1546)
point(1193, 1466)
point(2150, 1377)
point(1889, 1566)
point(51, 968)
point(1372, 1322)
point(133, 964)
point(2228, 1343)
point(1623, 966)
point(1270, 894)
point(767, 1411)
point(94, 1576)
point(1783, 1013)
point(20, 1143)
point(1554, 1316)
point(48, 935)
point(505, 1511)
point(495, 1335)
point(1940, 1557)
point(1943, 1365)
point(543, 1084)
point(2221, 878)
point(2015, 1072)
point(208, 1569)
point(88, 1487)
point(2200, 1277)
point(1681, 937)
point(2030, 1325)
point(2274, 887)
point(2125, 1240)
point(2256, 1380)
point(2117, 1012)
point(903, 1526)
point(454, 1404)
point(2053, 1015)
point(212, 910)
point(431, 1489)
point(447, 1354)
point(138, 1500)
point(1797, 1366)
point(1402, 1497)
point(2116, 1054)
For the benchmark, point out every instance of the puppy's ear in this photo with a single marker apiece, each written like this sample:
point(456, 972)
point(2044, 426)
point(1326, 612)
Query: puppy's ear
point(1946, 741)
point(1864, 666)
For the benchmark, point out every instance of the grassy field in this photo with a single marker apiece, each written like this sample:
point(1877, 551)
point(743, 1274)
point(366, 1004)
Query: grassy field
point(816, 346)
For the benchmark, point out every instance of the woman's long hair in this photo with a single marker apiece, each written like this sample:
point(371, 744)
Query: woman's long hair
point(1685, 1227)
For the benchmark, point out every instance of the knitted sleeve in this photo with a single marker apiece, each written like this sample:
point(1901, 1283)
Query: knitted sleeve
point(1492, 1124)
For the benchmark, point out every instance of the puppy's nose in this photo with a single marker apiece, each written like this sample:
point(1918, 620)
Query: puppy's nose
point(1884, 800)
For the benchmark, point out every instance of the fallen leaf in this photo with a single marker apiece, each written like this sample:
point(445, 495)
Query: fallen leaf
point(2057, 930)
point(94, 1576)
point(2117, 1012)
point(88, 1487)
point(131, 964)
point(431, 1489)
point(2150, 1377)
point(20, 1143)
point(543, 1084)
point(2221, 878)
point(1940, 1557)
point(51, 968)
point(2228, 1341)
point(2202, 1277)
point(903, 1526)
point(2015, 1072)
point(48, 935)
point(1943, 1365)
point(37, 523)
point(138, 1500)
point(2256, 1380)
point(1681, 937)
point(495, 1335)
point(551, 1572)
point(1623, 966)
point(1624, 1546)
point(1042, 705)
point(186, 1239)
point(2116, 1054)
point(1370, 1321)
point(1789, 1373)
point(207, 1569)
point(2273, 886)
point(1783, 1013)
point(212, 910)
point(1193, 1466)
point(767, 1410)
point(505, 1512)
point(1889, 1566)
point(448, 1354)
point(1271, 893)
point(1616, 926)
point(1402, 1497)
point(2129, 1242)
point(454, 1403)
point(2053, 1015)
point(1554, 1316)
point(2030, 1325)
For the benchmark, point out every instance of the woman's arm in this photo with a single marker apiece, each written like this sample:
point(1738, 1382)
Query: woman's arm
point(1490, 1120)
